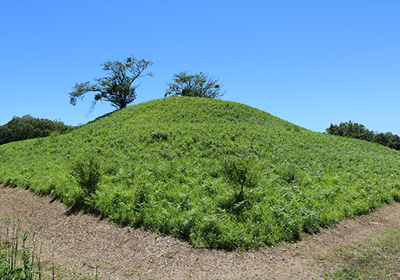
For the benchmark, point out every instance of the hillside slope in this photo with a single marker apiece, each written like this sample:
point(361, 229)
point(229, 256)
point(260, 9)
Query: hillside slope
point(216, 173)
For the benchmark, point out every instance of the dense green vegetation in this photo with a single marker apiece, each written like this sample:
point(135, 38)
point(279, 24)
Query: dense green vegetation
point(218, 174)
point(198, 85)
point(28, 127)
point(359, 131)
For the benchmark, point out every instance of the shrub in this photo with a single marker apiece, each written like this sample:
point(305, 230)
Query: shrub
point(238, 174)
point(87, 174)
point(198, 85)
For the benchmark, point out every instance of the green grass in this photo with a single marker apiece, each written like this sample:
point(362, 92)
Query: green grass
point(377, 258)
point(215, 173)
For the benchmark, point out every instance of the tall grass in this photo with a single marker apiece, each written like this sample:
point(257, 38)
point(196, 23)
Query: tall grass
point(215, 173)
point(87, 174)
point(19, 251)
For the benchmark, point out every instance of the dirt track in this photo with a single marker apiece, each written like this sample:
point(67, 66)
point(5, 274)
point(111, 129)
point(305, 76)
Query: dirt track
point(126, 253)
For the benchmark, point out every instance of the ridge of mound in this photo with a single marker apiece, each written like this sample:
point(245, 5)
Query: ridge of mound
point(215, 173)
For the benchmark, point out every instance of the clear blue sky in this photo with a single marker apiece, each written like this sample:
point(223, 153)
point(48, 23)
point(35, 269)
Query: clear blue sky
point(311, 63)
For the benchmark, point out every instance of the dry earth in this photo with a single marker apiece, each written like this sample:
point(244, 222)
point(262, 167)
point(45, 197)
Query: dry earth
point(81, 241)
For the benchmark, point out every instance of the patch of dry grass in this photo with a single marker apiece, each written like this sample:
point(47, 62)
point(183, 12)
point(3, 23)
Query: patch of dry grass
point(376, 258)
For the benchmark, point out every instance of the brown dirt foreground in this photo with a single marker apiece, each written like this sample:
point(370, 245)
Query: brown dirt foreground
point(81, 241)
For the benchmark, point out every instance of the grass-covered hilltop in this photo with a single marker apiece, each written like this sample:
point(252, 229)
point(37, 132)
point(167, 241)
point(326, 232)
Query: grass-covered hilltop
point(215, 173)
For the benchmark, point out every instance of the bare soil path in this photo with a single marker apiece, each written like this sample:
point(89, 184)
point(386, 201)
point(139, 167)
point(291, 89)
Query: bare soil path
point(81, 241)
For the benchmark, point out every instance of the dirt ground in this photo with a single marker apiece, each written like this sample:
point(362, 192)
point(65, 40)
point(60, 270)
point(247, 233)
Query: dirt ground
point(82, 241)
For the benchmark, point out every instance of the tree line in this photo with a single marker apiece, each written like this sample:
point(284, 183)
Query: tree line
point(28, 127)
point(359, 131)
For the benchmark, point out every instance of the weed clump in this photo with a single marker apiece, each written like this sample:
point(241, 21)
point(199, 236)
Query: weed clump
point(238, 173)
point(19, 257)
point(87, 174)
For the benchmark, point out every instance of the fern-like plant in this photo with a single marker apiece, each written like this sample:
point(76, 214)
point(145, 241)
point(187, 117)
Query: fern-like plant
point(87, 174)
point(238, 174)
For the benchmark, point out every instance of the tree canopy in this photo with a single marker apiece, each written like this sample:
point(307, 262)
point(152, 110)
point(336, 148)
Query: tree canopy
point(28, 127)
point(359, 131)
point(198, 85)
point(117, 87)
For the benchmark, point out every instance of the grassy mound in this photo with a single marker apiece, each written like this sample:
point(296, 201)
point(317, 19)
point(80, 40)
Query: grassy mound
point(215, 173)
